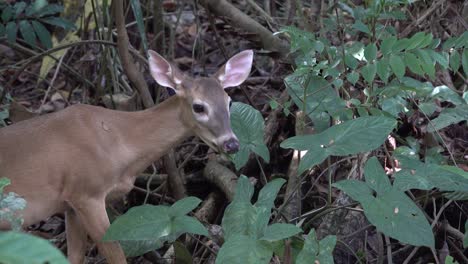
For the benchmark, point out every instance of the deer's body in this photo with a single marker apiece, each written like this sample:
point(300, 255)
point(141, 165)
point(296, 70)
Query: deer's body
point(74, 160)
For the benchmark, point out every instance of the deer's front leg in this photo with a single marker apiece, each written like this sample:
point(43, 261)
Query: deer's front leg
point(93, 216)
point(77, 237)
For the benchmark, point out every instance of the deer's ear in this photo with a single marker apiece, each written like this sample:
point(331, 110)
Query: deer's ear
point(236, 70)
point(163, 72)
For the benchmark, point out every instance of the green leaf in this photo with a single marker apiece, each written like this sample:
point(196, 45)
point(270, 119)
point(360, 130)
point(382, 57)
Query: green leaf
point(449, 116)
point(241, 249)
point(465, 61)
point(280, 231)
point(368, 72)
point(398, 66)
point(400, 45)
point(59, 22)
point(425, 176)
point(455, 61)
point(4, 182)
point(391, 211)
point(35, 7)
point(28, 33)
point(396, 215)
point(184, 206)
point(315, 251)
point(247, 123)
point(149, 226)
point(357, 190)
point(11, 31)
point(351, 137)
point(352, 77)
point(351, 62)
point(49, 10)
point(43, 34)
point(370, 52)
point(427, 63)
point(416, 40)
point(376, 177)
point(24, 248)
point(387, 45)
point(383, 69)
point(19, 7)
point(7, 14)
point(441, 58)
point(444, 93)
point(358, 25)
point(413, 63)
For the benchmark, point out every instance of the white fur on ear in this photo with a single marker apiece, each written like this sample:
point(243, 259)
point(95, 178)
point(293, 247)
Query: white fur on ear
point(236, 70)
point(162, 71)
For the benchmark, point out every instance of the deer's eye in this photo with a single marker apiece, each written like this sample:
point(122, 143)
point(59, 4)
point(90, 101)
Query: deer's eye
point(198, 108)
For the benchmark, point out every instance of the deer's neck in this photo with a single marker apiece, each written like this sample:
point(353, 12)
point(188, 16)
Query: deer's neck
point(154, 132)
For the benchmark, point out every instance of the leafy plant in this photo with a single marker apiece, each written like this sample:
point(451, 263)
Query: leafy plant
point(11, 206)
point(387, 207)
point(247, 123)
point(148, 227)
point(24, 248)
point(30, 20)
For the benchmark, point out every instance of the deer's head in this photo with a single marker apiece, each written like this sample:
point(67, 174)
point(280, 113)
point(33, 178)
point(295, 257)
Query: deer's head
point(205, 105)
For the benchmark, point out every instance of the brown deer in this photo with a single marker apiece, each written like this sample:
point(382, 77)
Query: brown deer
point(73, 160)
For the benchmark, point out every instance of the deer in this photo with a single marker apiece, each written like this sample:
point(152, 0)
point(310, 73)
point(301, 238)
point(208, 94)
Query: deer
point(74, 160)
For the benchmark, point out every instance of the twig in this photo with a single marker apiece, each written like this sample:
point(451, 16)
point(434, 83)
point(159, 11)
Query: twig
point(53, 80)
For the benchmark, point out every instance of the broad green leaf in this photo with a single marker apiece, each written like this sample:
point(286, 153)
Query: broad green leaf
point(43, 34)
point(370, 52)
point(10, 30)
point(315, 251)
point(268, 193)
point(49, 10)
point(352, 77)
point(147, 227)
point(444, 93)
point(357, 190)
point(241, 249)
point(280, 231)
point(351, 62)
point(18, 247)
point(351, 137)
point(449, 116)
point(27, 32)
point(358, 25)
point(427, 63)
point(368, 72)
point(465, 61)
point(387, 45)
point(383, 69)
point(441, 58)
point(396, 215)
point(425, 176)
point(455, 60)
point(413, 63)
point(398, 66)
point(19, 7)
point(247, 123)
point(400, 45)
point(376, 177)
point(184, 206)
point(394, 105)
point(35, 7)
point(428, 108)
point(321, 100)
point(11, 206)
point(59, 22)
point(7, 14)
point(416, 40)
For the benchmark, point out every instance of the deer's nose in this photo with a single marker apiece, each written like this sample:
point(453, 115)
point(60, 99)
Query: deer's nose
point(231, 146)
